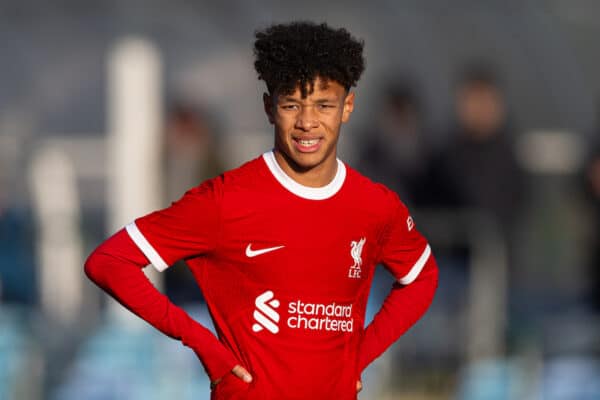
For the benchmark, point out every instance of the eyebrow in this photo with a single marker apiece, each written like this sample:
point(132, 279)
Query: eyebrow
point(318, 101)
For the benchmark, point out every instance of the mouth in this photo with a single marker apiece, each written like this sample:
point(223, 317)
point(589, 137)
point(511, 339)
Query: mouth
point(307, 145)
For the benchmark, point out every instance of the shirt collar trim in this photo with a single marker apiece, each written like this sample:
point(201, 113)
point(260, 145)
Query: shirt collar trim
point(306, 192)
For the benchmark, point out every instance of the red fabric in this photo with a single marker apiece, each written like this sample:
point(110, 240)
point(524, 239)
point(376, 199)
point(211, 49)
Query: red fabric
point(401, 243)
point(116, 266)
point(294, 315)
point(402, 308)
point(405, 304)
point(189, 227)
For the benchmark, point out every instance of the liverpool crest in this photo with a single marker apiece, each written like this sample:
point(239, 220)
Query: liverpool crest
point(356, 247)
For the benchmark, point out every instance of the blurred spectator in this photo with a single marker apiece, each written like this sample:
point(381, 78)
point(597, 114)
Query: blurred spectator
point(191, 157)
point(393, 152)
point(593, 186)
point(394, 149)
point(478, 169)
point(476, 172)
point(191, 150)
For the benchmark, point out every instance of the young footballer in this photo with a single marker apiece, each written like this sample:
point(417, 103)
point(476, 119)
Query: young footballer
point(283, 247)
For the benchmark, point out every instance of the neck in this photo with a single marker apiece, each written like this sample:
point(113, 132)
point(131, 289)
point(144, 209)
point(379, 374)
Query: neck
point(317, 176)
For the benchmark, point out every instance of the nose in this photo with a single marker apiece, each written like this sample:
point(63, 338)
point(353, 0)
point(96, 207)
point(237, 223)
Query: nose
point(307, 119)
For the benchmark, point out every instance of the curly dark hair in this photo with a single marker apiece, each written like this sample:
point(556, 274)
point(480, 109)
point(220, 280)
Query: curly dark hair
point(295, 54)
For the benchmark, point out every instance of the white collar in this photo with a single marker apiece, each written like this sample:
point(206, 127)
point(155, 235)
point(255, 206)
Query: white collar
point(307, 192)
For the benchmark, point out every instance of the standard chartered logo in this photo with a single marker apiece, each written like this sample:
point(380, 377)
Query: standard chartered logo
point(320, 317)
point(331, 317)
point(265, 314)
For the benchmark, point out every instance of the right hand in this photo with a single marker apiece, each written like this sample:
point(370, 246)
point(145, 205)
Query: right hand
point(242, 373)
point(238, 371)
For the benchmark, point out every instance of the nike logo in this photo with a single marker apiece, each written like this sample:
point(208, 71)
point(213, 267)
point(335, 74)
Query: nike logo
point(253, 253)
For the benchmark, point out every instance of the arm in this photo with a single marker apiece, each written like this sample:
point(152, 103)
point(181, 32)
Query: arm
point(189, 227)
point(116, 266)
point(407, 255)
point(401, 309)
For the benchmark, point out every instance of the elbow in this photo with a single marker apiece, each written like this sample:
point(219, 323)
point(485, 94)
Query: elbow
point(434, 272)
point(428, 279)
point(94, 269)
point(431, 276)
point(430, 273)
point(100, 263)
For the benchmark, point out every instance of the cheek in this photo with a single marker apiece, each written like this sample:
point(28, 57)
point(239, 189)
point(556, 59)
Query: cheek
point(286, 117)
point(332, 123)
point(283, 126)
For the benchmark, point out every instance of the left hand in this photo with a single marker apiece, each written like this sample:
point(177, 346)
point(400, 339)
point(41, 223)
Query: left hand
point(358, 386)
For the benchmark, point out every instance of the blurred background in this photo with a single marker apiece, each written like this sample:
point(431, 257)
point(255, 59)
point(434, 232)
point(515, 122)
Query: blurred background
point(483, 116)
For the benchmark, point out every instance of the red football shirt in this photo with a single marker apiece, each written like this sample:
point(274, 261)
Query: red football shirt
point(286, 270)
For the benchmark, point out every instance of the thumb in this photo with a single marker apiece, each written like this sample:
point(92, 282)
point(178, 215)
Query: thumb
point(241, 373)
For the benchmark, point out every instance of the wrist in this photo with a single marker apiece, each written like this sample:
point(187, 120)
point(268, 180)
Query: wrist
point(216, 359)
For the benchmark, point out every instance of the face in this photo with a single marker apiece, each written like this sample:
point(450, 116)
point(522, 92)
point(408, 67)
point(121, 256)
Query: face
point(480, 109)
point(307, 129)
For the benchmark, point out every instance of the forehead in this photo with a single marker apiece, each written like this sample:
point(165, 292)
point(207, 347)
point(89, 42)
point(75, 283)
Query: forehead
point(318, 89)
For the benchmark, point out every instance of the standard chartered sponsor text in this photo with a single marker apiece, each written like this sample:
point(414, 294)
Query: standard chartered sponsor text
point(315, 316)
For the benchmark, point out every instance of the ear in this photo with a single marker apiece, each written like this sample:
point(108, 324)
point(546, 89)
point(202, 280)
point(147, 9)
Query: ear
point(268, 103)
point(348, 107)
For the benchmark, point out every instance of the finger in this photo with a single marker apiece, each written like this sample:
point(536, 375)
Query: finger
point(358, 386)
point(241, 373)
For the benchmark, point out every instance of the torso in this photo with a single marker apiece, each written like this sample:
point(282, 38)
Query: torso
point(293, 314)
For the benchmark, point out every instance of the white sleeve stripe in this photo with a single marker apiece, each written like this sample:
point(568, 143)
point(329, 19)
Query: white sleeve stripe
point(146, 248)
point(416, 269)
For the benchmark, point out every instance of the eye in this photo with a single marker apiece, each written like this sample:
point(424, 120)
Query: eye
point(289, 107)
point(326, 106)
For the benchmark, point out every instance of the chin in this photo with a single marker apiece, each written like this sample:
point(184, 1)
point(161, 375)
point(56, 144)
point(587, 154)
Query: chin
point(307, 161)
